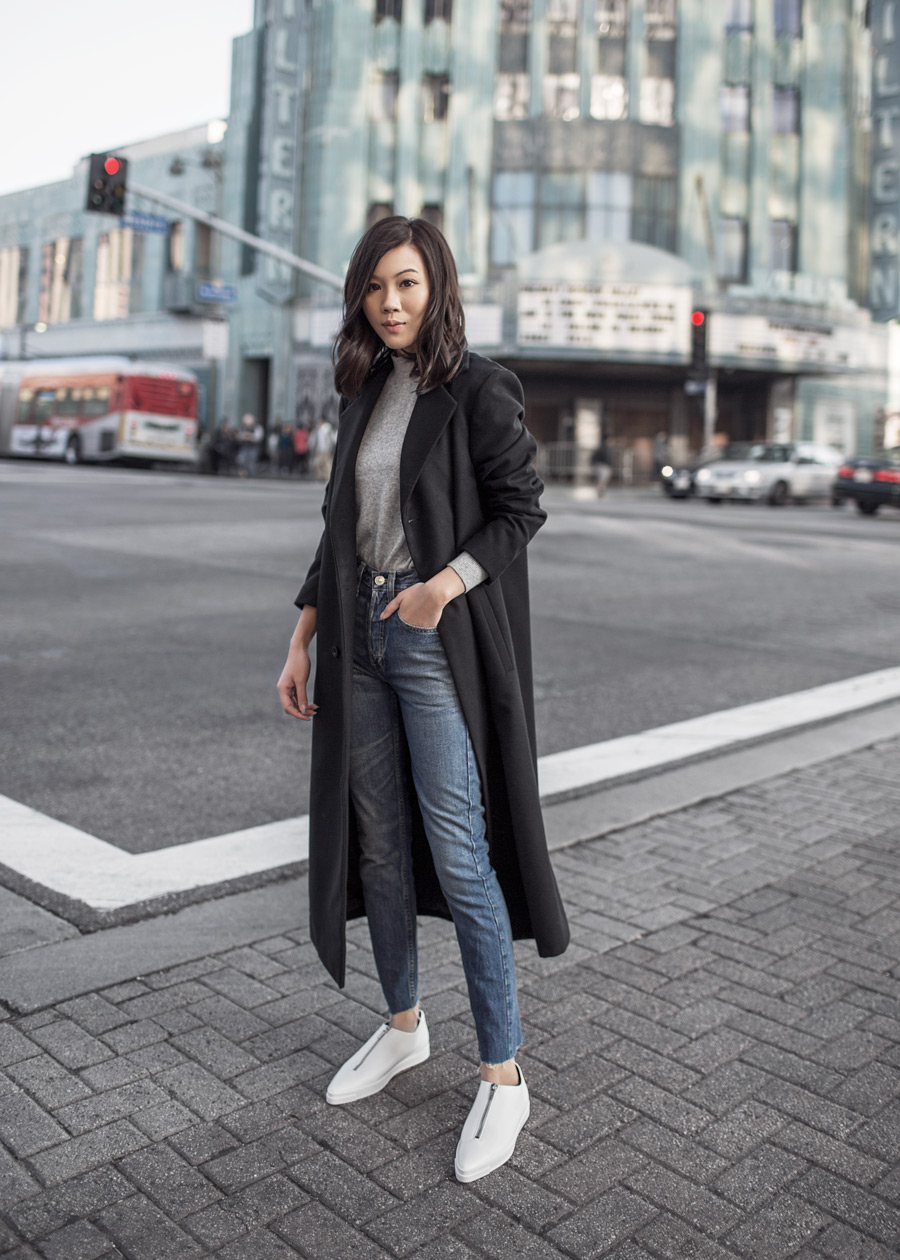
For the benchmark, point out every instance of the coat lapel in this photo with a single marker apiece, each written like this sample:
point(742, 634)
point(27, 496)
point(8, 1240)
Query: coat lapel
point(342, 504)
point(426, 424)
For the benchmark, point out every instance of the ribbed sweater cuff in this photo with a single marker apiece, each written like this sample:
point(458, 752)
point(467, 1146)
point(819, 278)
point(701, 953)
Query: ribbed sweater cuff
point(469, 570)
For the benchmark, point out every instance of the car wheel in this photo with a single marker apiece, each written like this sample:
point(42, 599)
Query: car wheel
point(778, 495)
point(711, 499)
point(836, 502)
point(73, 450)
point(867, 507)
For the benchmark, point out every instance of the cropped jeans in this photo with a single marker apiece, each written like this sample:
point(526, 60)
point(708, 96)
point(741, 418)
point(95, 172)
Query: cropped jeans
point(402, 685)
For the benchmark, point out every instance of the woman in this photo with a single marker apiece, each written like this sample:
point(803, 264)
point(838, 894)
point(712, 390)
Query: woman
point(424, 790)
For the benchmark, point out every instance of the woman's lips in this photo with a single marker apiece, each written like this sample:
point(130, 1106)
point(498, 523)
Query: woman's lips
point(392, 326)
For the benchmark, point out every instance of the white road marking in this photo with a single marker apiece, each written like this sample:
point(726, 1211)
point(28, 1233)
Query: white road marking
point(90, 870)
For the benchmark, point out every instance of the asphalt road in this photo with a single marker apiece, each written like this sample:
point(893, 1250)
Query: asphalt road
point(146, 615)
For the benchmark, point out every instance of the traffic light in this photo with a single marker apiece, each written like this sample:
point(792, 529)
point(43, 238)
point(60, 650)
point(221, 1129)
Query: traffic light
point(699, 323)
point(107, 184)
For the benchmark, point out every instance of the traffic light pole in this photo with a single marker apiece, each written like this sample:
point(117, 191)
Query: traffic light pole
point(238, 234)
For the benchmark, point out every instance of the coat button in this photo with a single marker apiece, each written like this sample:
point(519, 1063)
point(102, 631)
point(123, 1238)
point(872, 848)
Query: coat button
point(335, 651)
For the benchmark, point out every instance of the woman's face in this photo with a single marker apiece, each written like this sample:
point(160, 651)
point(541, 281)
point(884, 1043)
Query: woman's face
point(397, 297)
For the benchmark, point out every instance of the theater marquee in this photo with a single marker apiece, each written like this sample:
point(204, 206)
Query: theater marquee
point(646, 321)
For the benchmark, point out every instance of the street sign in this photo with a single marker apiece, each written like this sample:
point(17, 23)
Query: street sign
point(695, 387)
point(208, 292)
point(139, 222)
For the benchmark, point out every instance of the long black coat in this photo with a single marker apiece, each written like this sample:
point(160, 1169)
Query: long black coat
point(466, 484)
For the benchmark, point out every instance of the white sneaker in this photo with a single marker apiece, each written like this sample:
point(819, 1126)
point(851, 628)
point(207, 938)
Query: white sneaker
point(492, 1126)
point(387, 1052)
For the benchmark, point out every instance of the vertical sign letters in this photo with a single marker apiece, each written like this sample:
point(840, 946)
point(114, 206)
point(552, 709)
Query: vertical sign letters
point(884, 178)
point(278, 151)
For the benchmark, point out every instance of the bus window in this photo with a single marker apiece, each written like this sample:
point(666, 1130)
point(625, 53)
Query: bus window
point(26, 397)
point(96, 402)
point(44, 405)
point(66, 403)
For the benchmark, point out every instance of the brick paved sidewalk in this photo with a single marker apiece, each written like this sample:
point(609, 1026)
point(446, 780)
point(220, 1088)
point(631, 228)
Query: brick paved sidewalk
point(714, 1067)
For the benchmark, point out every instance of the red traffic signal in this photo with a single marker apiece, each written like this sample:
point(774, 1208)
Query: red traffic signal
point(698, 319)
point(698, 340)
point(107, 184)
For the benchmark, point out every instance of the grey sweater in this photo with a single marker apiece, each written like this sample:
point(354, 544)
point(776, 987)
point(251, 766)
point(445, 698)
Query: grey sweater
point(380, 540)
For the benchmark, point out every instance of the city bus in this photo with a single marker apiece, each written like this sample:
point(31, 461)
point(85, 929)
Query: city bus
point(93, 409)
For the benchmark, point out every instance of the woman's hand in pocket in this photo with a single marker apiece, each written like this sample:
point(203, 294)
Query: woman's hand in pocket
point(421, 605)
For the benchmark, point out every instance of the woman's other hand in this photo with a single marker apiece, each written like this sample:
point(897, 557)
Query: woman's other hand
point(421, 605)
point(295, 676)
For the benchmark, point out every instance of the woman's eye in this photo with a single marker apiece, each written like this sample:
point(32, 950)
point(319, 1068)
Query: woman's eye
point(373, 287)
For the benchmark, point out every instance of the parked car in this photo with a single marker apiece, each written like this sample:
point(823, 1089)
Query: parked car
point(774, 471)
point(869, 482)
point(677, 480)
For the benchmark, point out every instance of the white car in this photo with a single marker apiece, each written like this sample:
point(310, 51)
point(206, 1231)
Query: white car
point(774, 471)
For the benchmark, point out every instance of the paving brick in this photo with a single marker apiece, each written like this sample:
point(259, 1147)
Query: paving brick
point(80, 1241)
point(757, 1177)
point(112, 1074)
point(135, 1035)
point(660, 1069)
point(866, 1212)
point(200, 1090)
point(612, 1218)
point(778, 1229)
point(668, 1238)
point(142, 1232)
point(336, 1129)
point(215, 1052)
point(493, 1236)
point(25, 1127)
point(78, 1198)
point(684, 1156)
point(742, 1129)
point(260, 1245)
point(101, 1146)
point(93, 1012)
point(14, 1046)
point(842, 1243)
point(352, 1195)
point(827, 1152)
point(252, 1160)
point(228, 1018)
point(163, 1120)
point(169, 1180)
point(706, 1211)
point(575, 1130)
point(114, 1104)
point(203, 1141)
point(659, 1104)
point(240, 988)
point(406, 1227)
point(70, 1045)
point(319, 1234)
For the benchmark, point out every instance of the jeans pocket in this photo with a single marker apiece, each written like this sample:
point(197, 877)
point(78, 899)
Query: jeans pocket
point(417, 629)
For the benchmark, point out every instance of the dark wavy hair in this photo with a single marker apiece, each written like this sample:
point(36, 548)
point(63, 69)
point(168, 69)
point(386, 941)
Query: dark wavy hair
point(442, 338)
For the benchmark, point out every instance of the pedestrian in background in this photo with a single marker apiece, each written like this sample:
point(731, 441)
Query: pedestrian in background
point(431, 504)
point(322, 442)
point(249, 438)
point(300, 460)
point(285, 450)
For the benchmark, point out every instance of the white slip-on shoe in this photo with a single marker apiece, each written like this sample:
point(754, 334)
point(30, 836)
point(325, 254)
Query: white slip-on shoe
point(386, 1053)
point(492, 1126)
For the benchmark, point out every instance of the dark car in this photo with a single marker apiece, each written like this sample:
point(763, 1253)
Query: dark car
point(869, 482)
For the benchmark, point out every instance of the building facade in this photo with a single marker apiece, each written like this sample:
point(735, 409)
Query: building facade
point(603, 170)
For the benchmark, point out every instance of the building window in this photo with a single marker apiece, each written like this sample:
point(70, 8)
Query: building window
point(515, 17)
point(112, 286)
point(787, 17)
point(659, 19)
point(608, 206)
point(782, 245)
point(735, 104)
point(609, 97)
point(611, 17)
point(388, 9)
point(658, 102)
point(561, 93)
point(732, 249)
point(512, 225)
point(561, 209)
point(13, 283)
point(175, 257)
point(654, 211)
point(562, 17)
point(609, 93)
point(203, 251)
point(383, 97)
point(511, 96)
point(785, 111)
point(438, 9)
point(436, 97)
point(61, 280)
point(378, 210)
point(433, 214)
point(738, 15)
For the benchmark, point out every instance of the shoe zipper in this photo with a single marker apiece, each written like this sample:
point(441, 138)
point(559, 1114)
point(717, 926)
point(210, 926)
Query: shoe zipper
point(484, 1114)
point(383, 1033)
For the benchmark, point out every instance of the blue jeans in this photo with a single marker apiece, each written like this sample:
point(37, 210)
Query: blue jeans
point(402, 684)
